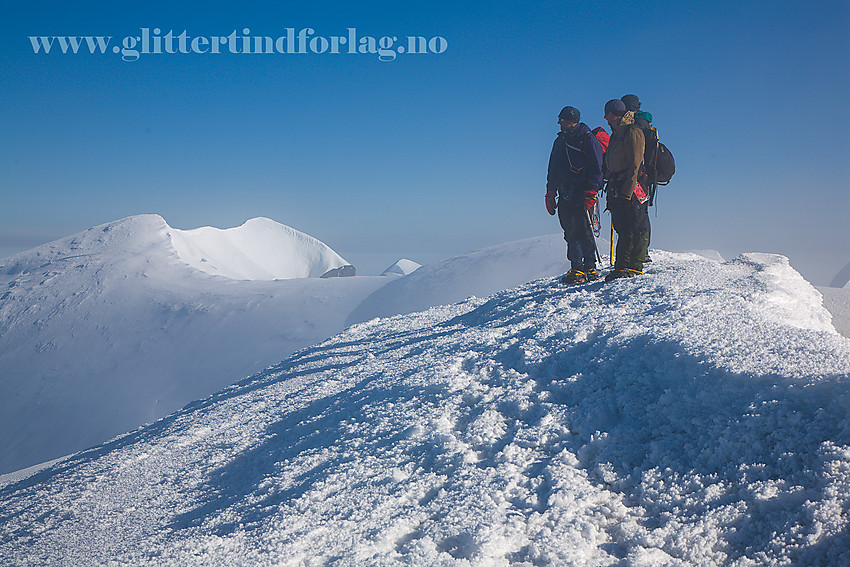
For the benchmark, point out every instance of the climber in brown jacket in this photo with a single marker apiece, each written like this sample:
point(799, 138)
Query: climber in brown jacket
point(627, 199)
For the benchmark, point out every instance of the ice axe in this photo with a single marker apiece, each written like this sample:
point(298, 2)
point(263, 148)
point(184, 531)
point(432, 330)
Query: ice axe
point(592, 234)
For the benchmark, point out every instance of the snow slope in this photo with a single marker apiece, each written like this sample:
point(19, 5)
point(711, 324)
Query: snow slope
point(696, 416)
point(111, 328)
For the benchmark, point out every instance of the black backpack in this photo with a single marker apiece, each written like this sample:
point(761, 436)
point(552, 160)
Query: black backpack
point(658, 163)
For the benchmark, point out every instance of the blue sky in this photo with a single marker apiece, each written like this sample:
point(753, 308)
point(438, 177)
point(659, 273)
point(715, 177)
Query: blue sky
point(429, 155)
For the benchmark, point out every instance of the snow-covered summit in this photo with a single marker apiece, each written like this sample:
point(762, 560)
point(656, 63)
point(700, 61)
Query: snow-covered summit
point(693, 416)
point(260, 249)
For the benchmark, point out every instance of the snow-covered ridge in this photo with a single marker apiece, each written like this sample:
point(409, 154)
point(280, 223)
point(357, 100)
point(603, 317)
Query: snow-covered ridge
point(260, 249)
point(693, 416)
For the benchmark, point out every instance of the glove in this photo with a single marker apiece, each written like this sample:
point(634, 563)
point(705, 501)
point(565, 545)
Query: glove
point(589, 199)
point(640, 193)
point(550, 202)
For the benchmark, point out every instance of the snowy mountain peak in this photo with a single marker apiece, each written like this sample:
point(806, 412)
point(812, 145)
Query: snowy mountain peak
point(259, 249)
point(842, 278)
point(131, 236)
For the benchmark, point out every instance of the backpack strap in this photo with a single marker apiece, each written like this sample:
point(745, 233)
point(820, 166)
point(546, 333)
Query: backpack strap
point(567, 148)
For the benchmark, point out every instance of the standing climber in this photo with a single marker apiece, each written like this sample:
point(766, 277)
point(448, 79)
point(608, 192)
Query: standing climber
point(575, 175)
point(627, 198)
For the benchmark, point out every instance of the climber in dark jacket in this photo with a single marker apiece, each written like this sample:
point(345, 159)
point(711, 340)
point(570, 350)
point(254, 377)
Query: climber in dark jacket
point(575, 175)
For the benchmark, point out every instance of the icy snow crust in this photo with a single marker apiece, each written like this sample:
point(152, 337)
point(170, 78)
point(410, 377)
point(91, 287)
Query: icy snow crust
point(695, 416)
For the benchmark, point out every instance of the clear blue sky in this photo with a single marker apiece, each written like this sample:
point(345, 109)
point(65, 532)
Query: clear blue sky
point(429, 155)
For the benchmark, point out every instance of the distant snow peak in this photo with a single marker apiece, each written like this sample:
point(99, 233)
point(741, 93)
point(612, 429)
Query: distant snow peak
point(260, 249)
point(842, 278)
point(402, 268)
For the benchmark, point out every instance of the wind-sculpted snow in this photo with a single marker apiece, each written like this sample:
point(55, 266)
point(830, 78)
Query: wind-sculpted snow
point(260, 249)
point(402, 267)
point(695, 416)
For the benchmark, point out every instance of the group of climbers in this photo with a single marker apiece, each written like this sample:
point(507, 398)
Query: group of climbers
point(584, 162)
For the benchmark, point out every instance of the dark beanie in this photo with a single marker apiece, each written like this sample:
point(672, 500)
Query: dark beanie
point(570, 114)
point(632, 102)
point(615, 107)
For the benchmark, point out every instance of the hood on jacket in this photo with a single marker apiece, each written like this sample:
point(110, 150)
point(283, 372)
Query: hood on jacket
point(623, 121)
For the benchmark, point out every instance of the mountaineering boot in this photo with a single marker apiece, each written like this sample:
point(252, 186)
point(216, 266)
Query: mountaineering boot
point(574, 276)
point(591, 274)
point(616, 274)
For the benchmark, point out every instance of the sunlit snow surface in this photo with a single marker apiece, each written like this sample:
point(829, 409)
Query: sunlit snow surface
point(694, 416)
point(260, 249)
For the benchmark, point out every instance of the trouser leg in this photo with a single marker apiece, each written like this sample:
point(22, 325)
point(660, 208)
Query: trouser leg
point(639, 244)
point(641, 231)
point(631, 221)
point(623, 222)
point(580, 250)
point(623, 258)
point(575, 255)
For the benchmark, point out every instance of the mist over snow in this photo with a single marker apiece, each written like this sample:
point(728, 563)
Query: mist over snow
point(693, 416)
point(836, 298)
point(837, 301)
point(125, 323)
point(479, 273)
